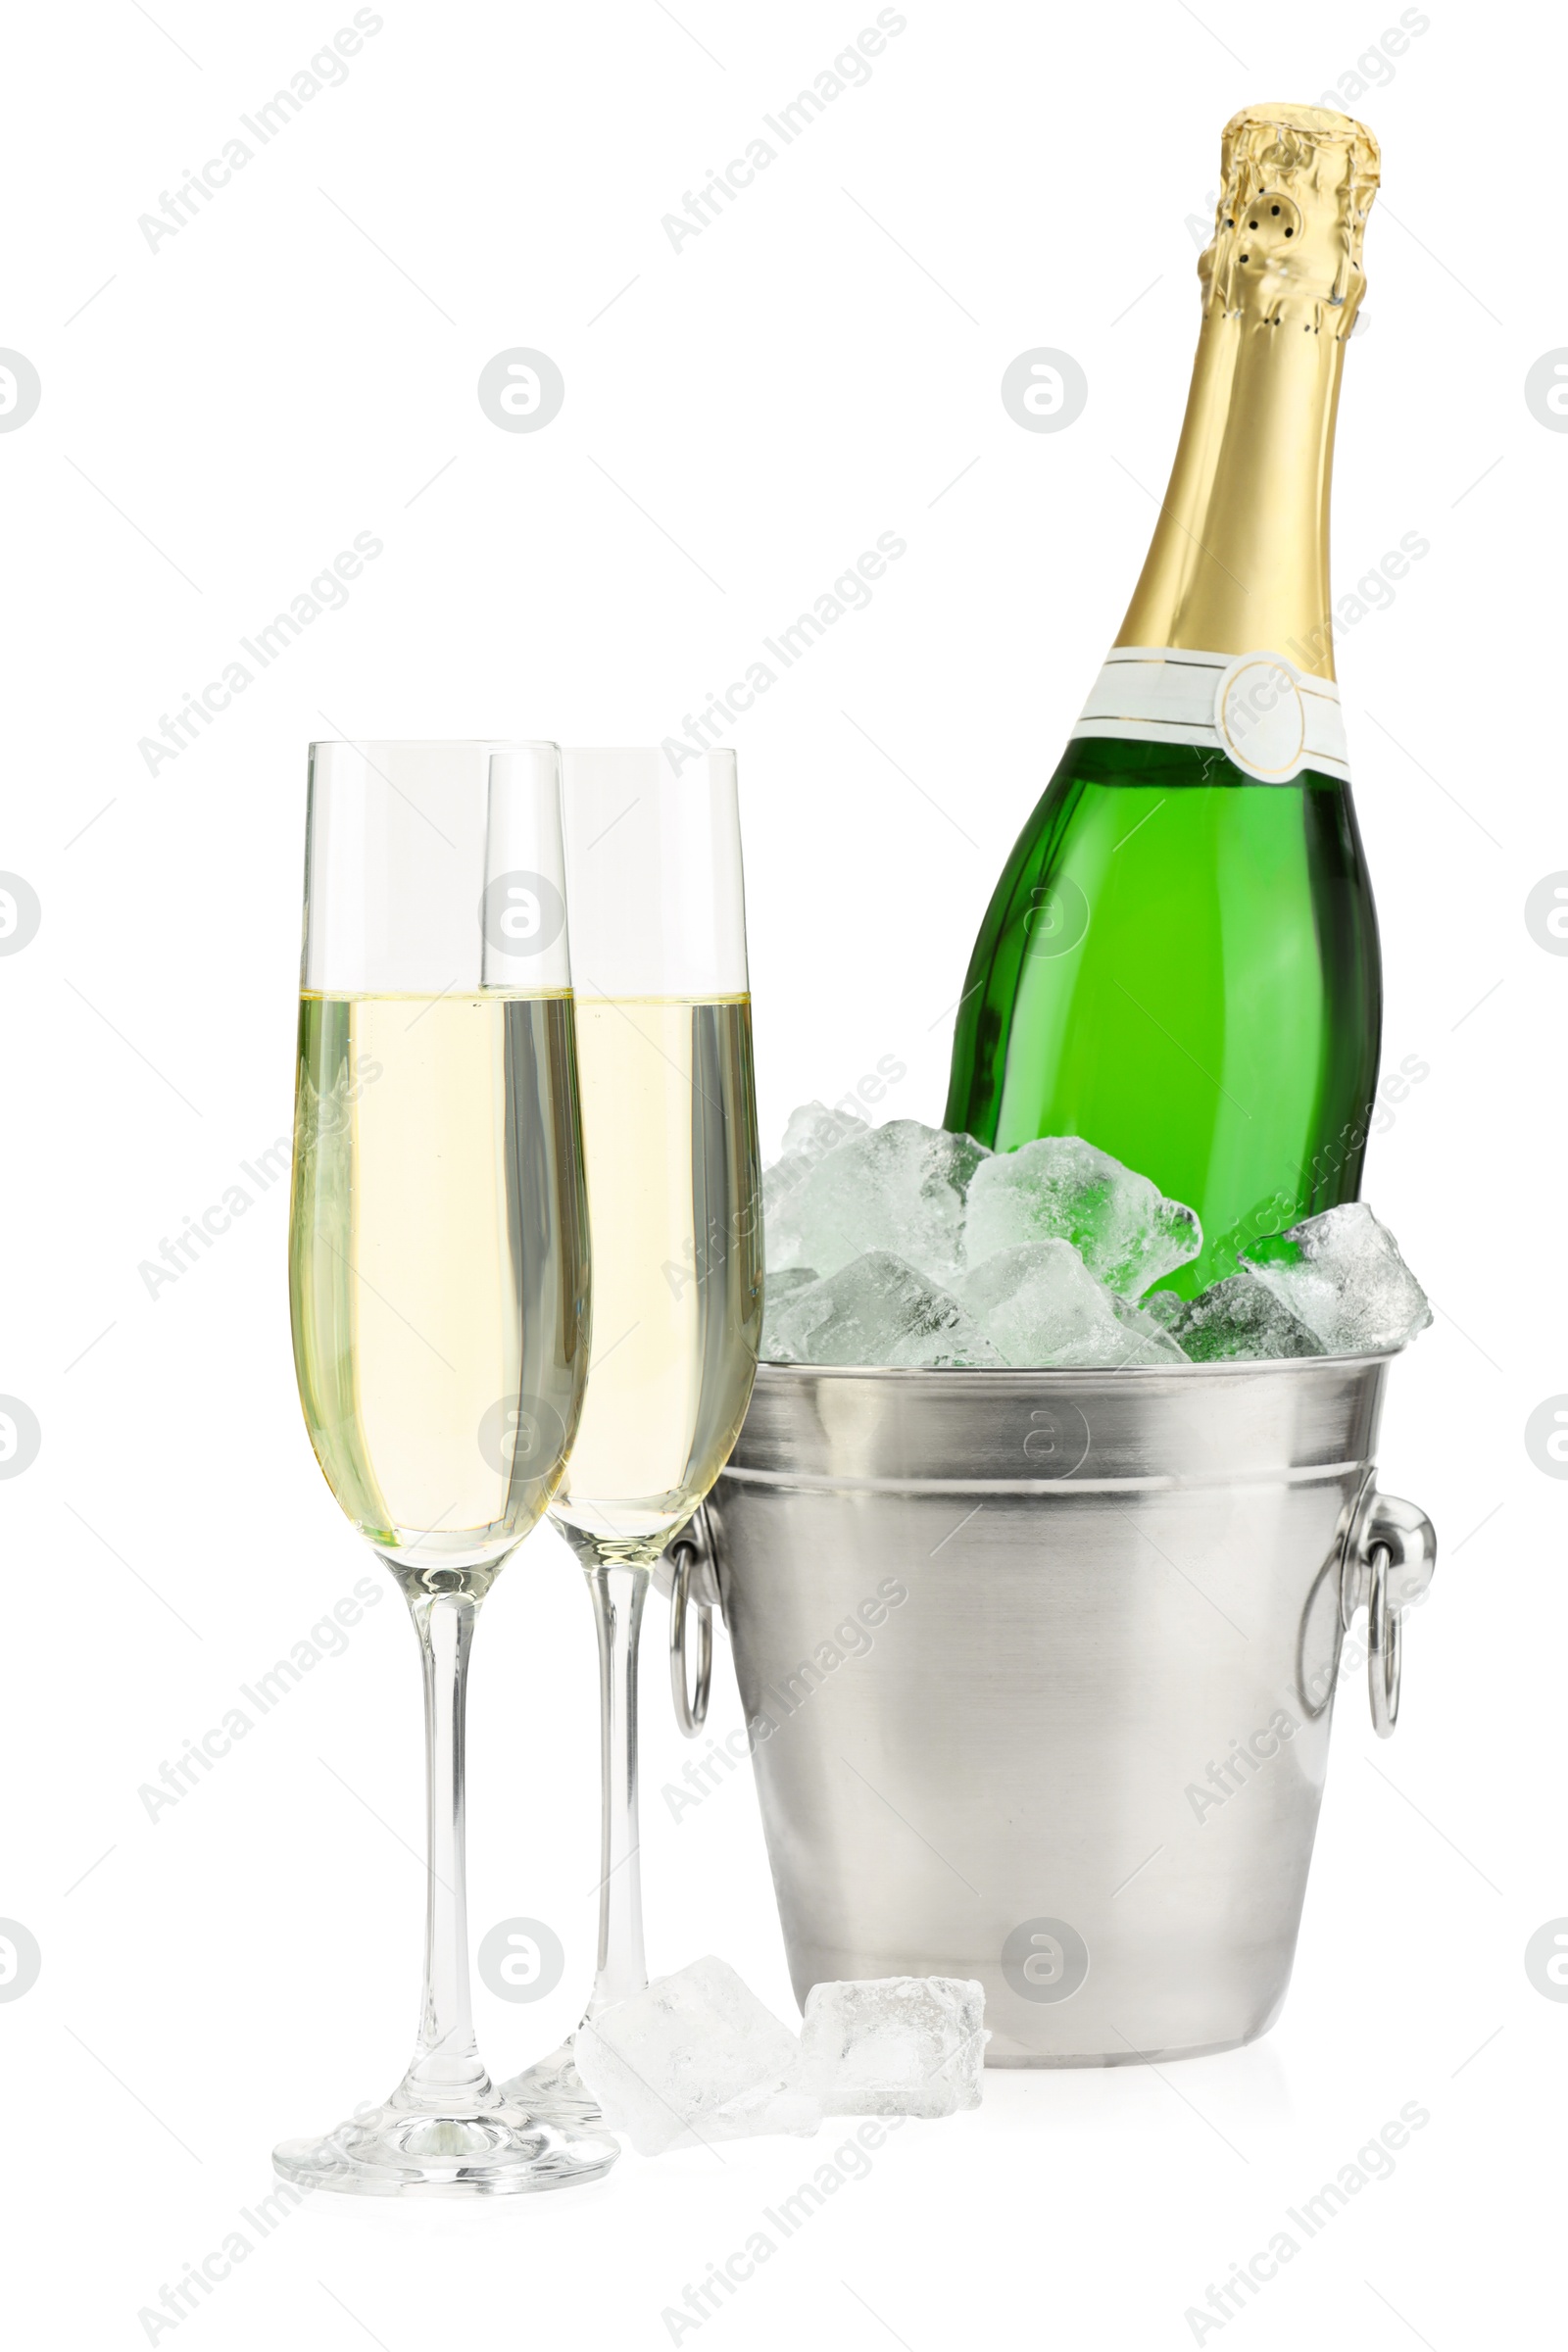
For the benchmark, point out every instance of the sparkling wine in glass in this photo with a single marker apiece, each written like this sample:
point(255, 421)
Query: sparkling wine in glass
point(674, 1191)
point(439, 1289)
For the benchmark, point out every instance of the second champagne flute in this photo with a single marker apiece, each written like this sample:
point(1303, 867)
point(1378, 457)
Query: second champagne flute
point(674, 1212)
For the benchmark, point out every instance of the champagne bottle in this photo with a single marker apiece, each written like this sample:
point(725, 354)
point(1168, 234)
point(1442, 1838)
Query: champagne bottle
point(1180, 961)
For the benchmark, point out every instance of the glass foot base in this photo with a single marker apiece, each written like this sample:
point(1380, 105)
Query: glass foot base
point(553, 2090)
point(500, 2151)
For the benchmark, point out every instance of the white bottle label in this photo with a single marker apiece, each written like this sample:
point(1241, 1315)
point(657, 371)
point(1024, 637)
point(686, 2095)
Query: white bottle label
point(1268, 718)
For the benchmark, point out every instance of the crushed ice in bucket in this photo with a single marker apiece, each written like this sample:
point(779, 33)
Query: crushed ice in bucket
point(908, 1245)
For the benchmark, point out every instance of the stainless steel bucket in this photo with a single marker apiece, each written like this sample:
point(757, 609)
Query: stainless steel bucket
point(1039, 1669)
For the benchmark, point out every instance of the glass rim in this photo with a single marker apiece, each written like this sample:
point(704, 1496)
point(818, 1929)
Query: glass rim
point(641, 750)
point(434, 743)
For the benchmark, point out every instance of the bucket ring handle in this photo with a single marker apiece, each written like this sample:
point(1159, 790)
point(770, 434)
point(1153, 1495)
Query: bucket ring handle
point(1383, 1646)
point(690, 1556)
point(1388, 1563)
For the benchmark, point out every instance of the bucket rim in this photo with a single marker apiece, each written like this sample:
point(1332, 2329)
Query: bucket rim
point(768, 1370)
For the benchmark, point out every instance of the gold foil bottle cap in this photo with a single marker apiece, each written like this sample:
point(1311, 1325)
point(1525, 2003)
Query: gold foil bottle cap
point(1297, 186)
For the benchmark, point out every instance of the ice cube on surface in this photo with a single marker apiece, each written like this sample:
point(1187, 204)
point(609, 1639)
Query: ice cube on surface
point(1062, 1188)
point(777, 1286)
point(1237, 1320)
point(1341, 1274)
point(894, 2045)
point(1040, 1305)
point(899, 1186)
point(695, 2057)
point(876, 1310)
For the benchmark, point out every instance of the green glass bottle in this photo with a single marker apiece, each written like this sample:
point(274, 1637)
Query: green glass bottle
point(1180, 961)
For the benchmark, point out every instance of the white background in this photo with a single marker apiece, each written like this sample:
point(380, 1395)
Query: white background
point(821, 365)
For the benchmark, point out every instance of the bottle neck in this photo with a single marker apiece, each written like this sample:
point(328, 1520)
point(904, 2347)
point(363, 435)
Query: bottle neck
point(1239, 557)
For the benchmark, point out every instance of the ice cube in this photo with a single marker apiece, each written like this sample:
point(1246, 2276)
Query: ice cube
point(1237, 1320)
point(1164, 1306)
point(812, 1133)
point(782, 1241)
point(896, 2045)
point(1150, 1341)
point(1342, 1275)
point(899, 1186)
point(1040, 1305)
point(777, 1286)
point(816, 1130)
point(1061, 1189)
point(875, 1311)
point(695, 2057)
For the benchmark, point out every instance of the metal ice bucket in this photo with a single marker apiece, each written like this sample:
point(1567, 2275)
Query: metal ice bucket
point(1039, 1669)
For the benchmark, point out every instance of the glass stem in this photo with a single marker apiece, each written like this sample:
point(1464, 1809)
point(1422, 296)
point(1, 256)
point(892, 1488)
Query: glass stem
point(446, 2072)
point(619, 1588)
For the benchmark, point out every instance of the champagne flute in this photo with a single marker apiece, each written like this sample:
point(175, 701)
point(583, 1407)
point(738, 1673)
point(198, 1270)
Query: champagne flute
point(439, 1289)
point(674, 1191)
